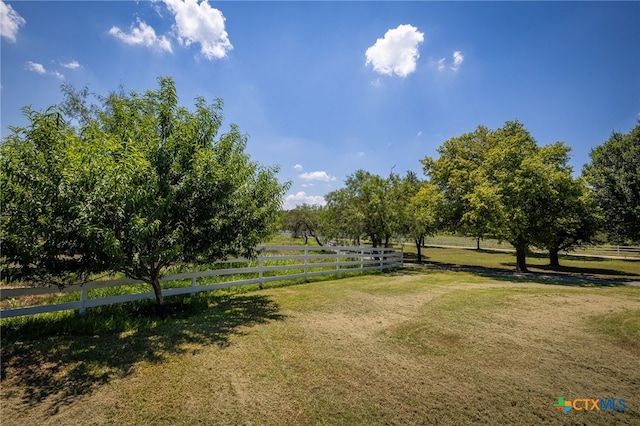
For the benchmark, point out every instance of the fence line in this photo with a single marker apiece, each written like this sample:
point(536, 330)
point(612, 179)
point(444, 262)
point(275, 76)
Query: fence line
point(623, 252)
point(626, 252)
point(315, 261)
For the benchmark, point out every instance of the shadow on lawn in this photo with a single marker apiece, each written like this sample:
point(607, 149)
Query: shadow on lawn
point(556, 275)
point(55, 368)
point(556, 279)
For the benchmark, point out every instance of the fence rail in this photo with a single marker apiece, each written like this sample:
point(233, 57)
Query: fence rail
point(269, 266)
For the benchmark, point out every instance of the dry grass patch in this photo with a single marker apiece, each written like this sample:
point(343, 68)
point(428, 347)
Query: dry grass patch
point(414, 347)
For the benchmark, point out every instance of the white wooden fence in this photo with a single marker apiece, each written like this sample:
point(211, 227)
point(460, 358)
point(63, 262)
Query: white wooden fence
point(274, 263)
point(622, 252)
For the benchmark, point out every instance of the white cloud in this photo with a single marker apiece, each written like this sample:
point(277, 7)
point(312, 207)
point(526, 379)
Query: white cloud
point(301, 197)
point(40, 69)
point(142, 34)
point(397, 52)
point(200, 23)
point(10, 21)
point(35, 67)
point(298, 167)
point(319, 175)
point(419, 133)
point(72, 65)
point(458, 58)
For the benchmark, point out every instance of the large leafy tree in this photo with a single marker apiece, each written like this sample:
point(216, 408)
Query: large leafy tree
point(422, 214)
point(500, 183)
point(304, 221)
point(456, 176)
point(134, 183)
point(366, 206)
point(573, 218)
point(344, 221)
point(614, 175)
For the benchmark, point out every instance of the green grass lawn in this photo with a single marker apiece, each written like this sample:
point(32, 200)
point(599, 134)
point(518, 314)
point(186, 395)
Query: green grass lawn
point(415, 346)
point(489, 260)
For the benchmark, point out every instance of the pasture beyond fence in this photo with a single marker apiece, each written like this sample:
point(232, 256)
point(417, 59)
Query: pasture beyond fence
point(274, 263)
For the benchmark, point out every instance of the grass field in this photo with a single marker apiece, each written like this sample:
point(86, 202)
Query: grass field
point(496, 261)
point(415, 346)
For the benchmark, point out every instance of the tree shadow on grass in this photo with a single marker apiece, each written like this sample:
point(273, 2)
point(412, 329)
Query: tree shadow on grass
point(56, 367)
point(579, 272)
point(556, 275)
point(556, 279)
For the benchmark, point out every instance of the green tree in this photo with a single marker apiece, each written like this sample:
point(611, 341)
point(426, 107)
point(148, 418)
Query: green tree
point(343, 220)
point(366, 207)
point(573, 218)
point(304, 221)
point(456, 171)
point(422, 215)
point(501, 184)
point(140, 184)
point(614, 176)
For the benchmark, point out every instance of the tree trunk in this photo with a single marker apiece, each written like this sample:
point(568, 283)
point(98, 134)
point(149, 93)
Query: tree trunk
point(521, 259)
point(554, 259)
point(418, 247)
point(478, 243)
point(155, 283)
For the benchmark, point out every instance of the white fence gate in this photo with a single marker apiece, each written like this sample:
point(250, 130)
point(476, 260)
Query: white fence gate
point(274, 263)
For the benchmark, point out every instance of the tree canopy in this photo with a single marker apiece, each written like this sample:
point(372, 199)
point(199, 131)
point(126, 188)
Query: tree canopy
point(455, 174)
point(368, 206)
point(305, 221)
point(573, 218)
point(614, 176)
point(422, 214)
point(134, 183)
point(500, 183)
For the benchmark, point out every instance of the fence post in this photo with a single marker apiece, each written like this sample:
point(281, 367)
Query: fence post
point(83, 299)
point(193, 282)
point(306, 262)
point(361, 257)
point(260, 266)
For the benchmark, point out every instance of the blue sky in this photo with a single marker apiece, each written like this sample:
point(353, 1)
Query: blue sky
point(326, 88)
